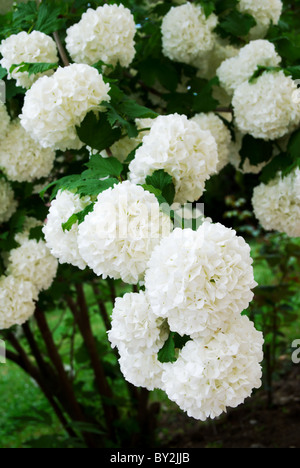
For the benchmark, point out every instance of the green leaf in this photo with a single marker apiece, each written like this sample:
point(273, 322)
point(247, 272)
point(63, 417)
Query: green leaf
point(256, 150)
point(99, 167)
point(260, 70)
point(36, 233)
point(92, 187)
point(167, 352)
point(164, 182)
point(97, 132)
point(283, 162)
point(77, 217)
point(236, 24)
point(3, 72)
point(33, 68)
point(48, 19)
point(174, 343)
point(203, 100)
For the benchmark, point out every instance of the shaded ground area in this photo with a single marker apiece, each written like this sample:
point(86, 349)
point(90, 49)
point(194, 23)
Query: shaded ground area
point(252, 425)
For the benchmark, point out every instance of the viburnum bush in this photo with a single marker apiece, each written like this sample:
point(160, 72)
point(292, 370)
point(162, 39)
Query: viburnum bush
point(117, 120)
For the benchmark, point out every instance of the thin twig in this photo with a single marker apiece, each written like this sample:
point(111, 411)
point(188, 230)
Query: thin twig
point(61, 49)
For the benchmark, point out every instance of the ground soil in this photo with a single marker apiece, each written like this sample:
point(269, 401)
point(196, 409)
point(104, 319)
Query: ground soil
point(255, 424)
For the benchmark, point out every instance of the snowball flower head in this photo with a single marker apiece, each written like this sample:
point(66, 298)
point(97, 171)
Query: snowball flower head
point(4, 120)
point(264, 12)
point(213, 374)
point(16, 301)
point(234, 71)
point(135, 327)
point(63, 244)
point(180, 148)
point(35, 47)
point(267, 108)
point(8, 204)
point(187, 34)
point(33, 262)
point(141, 370)
point(106, 34)
point(200, 280)
point(277, 204)
point(22, 159)
point(55, 105)
point(118, 237)
point(220, 132)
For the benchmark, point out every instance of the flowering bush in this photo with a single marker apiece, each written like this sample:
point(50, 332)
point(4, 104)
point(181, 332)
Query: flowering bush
point(116, 116)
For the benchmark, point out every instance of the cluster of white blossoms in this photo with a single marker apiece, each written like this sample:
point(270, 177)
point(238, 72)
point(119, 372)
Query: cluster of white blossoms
point(277, 204)
point(21, 158)
point(220, 132)
point(33, 262)
point(8, 204)
point(35, 47)
point(218, 372)
point(118, 237)
point(183, 150)
point(265, 13)
point(187, 34)
point(105, 34)
point(17, 298)
point(236, 70)
point(199, 280)
point(55, 105)
point(267, 109)
point(62, 243)
point(30, 269)
point(197, 284)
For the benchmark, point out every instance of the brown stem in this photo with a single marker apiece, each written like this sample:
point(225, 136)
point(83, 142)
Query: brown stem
point(102, 308)
point(61, 50)
point(81, 315)
point(22, 360)
point(73, 405)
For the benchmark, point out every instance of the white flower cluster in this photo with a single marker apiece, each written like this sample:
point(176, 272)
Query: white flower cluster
point(118, 237)
point(267, 109)
point(55, 105)
point(277, 204)
point(21, 158)
point(213, 374)
point(30, 269)
point(33, 262)
point(264, 12)
point(139, 335)
point(105, 34)
point(221, 134)
point(8, 204)
point(35, 47)
point(200, 280)
point(63, 244)
point(197, 284)
point(182, 149)
point(187, 34)
point(236, 70)
point(17, 298)
point(4, 120)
